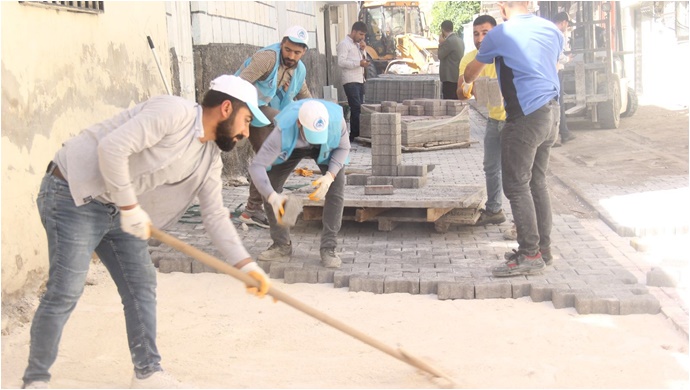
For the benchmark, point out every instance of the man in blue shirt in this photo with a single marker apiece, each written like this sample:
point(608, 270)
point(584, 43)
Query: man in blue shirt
point(526, 49)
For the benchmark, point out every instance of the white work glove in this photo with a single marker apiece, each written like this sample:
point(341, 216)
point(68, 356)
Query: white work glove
point(467, 90)
point(277, 201)
point(324, 183)
point(136, 222)
point(252, 269)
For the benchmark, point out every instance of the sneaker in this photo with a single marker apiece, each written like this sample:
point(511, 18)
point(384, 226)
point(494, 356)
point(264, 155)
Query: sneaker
point(157, 380)
point(568, 137)
point(329, 258)
point(36, 385)
point(487, 217)
point(254, 217)
point(277, 252)
point(510, 234)
point(546, 256)
point(519, 263)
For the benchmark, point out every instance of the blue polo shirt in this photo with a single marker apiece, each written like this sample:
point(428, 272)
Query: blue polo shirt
point(526, 49)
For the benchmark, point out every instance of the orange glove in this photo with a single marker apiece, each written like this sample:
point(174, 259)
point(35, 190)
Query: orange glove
point(467, 89)
point(252, 269)
point(324, 183)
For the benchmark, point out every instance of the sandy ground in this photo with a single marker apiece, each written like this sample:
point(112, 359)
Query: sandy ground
point(213, 335)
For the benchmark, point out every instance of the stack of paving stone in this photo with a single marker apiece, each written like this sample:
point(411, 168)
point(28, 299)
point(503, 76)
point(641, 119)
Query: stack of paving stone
point(401, 87)
point(424, 122)
point(487, 92)
point(388, 172)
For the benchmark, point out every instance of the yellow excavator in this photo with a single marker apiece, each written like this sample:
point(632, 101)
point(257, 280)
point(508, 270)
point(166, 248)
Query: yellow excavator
point(398, 38)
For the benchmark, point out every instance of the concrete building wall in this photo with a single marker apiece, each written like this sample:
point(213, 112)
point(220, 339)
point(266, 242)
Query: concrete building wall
point(61, 72)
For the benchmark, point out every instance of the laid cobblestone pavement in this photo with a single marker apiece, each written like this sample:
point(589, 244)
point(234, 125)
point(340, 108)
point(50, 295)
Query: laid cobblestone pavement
point(595, 270)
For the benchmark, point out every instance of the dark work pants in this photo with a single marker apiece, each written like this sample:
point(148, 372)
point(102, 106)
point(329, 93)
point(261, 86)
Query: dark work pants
point(355, 98)
point(333, 203)
point(257, 136)
point(525, 147)
point(449, 90)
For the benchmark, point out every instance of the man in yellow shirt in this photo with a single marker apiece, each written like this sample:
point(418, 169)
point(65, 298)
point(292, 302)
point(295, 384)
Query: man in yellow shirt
point(493, 212)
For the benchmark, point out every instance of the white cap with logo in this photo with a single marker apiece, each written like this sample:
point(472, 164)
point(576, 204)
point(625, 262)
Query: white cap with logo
point(297, 34)
point(244, 91)
point(313, 116)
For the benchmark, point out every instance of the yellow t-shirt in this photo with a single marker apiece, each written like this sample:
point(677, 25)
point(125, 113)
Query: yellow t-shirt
point(495, 112)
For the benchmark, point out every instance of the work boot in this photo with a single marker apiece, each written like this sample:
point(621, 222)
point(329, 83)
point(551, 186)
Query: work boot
point(487, 217)
point(157, 380)
point(329, 258)
point(519, 263)
point(567, 137)
point(277, 252)
point(254, 217)
point(510, 234)
point(546, 256)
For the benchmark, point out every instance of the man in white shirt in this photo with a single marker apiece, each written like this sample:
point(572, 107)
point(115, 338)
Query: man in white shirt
point(353, 64)
point(157, 156)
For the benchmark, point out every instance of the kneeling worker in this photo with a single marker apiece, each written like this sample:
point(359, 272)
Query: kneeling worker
point(308, 128)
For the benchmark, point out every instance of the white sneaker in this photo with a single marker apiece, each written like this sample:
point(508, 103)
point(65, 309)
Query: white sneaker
point(37, 385)
point(157, 380)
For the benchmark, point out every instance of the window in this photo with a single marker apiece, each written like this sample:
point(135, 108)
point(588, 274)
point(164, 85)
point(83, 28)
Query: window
point(76, 6)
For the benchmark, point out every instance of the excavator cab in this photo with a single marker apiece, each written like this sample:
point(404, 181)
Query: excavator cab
point(397, 39)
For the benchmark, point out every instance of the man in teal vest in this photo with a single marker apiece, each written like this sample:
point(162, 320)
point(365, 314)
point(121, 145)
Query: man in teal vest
point(313, 129)
point(279, 77)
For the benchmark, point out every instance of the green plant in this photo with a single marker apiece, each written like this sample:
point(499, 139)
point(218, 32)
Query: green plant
point(458, 12)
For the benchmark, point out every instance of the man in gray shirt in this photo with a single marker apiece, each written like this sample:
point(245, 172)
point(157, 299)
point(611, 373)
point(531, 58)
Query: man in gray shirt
point(450, 52)
point(156, 157)
point(313, 129)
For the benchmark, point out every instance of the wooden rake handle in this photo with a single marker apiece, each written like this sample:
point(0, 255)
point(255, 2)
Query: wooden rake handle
point(224, 267)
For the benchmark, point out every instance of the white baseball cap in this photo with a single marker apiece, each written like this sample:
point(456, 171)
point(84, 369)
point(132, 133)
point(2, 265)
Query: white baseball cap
point(297, 34)
point(244, 91)
point(313, 116)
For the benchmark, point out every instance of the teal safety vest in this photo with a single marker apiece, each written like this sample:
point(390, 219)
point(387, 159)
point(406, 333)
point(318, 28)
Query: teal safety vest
point(269, 94)
point(286, 120)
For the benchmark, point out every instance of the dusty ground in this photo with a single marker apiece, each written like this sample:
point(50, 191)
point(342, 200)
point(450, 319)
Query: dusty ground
point(213, 335)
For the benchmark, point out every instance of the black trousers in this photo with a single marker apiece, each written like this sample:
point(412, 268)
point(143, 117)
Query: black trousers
point(449, 90)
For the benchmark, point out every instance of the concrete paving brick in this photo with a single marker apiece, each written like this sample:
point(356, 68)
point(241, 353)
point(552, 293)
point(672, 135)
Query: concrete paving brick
point(325, 276)
point(175, 262)
point(595, 304)
point(379, 190)
point(355, 179)
point(297, 275)
point(543, 292)
point(455, 290)
point(367, 283)
point(277, 270)
point(520, 288)
point(199, 267)
point(639, 304)
point(404, 284)
point(412, 170)
point(662, 277)
point(493, 290)
point(562, 298)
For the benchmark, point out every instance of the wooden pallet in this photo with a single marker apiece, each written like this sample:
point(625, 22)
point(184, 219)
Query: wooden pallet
point(389, 218)
point(439, 145)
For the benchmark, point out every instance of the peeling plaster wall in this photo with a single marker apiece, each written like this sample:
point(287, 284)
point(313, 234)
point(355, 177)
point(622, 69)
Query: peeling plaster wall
point(61, 72)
